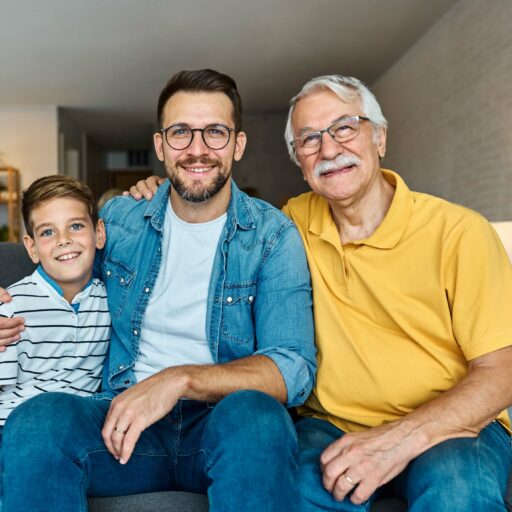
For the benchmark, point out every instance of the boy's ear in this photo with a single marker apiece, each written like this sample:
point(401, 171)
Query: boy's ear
point(30, 246)
point(101, 234)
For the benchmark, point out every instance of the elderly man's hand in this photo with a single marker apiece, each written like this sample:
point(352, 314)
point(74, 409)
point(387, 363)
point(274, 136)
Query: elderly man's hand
point(145, 188)
point(137, 408)
point(9, 327)
point(363, 461)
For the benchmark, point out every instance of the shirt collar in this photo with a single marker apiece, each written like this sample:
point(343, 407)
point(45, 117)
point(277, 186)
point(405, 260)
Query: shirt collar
point(391, 229)
point(56, 286)
point(239, 210)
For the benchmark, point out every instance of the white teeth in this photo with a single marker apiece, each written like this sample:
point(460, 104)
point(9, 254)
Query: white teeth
point(199, 170)
point(66, 257)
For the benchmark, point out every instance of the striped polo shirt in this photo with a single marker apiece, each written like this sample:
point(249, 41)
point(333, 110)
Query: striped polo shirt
point(63, 345)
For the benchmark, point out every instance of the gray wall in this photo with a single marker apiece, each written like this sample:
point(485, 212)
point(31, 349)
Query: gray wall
point(448, 101)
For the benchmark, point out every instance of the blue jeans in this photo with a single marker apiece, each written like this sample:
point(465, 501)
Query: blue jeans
point(241, 451)
point(468, 474)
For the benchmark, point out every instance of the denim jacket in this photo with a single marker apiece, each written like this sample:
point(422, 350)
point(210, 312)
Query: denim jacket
point(259, 298)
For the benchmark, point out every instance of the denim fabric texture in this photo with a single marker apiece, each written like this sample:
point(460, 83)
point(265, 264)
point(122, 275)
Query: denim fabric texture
point(241, 451)
point(259, 298)
point(466, 474)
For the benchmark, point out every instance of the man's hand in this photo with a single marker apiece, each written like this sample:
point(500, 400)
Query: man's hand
point(137, 408)
point(9, 327)
point(363, 461)
point(145, 188)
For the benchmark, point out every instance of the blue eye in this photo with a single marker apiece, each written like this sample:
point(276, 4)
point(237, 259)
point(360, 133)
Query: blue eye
point(76, 226)
point(46, 232)
point(180, 131)
point(310, 139)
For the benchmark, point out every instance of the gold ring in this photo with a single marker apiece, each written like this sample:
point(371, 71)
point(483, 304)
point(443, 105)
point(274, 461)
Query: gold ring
point(119, 431)
point(349, 480)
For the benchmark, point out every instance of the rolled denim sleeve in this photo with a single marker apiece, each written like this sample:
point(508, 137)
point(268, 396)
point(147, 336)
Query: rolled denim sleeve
point(283, 314)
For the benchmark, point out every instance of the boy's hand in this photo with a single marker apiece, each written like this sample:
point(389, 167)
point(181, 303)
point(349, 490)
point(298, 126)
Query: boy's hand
point(145, 188)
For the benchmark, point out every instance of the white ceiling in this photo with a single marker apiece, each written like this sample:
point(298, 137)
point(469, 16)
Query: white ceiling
point(107, 60)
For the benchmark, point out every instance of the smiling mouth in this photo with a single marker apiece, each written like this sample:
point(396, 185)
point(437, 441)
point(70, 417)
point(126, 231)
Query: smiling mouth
point(68, 257)
point(198, 170)
point(341, 170)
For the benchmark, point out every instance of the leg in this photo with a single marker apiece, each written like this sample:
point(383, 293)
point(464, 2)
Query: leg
point(314, 436)
point(52, 445)
point(250, 448)
point(460, 474)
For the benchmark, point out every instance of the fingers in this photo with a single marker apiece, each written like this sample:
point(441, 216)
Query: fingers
point(10, 329)
point(4, 295)
point(121, 432)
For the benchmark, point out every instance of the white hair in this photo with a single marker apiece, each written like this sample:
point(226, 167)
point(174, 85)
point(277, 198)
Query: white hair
point(349, 90)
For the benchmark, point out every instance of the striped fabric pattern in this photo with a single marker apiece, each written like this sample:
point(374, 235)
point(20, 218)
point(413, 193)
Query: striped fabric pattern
point(60, 349)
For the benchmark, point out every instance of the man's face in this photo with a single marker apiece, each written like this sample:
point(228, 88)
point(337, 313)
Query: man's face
point(339, 171)
point(198, 173)
point(65, 242)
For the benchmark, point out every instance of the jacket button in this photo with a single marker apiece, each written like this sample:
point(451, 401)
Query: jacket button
point(108, 273)
point(120, 367)
point(146, 290)
point(229, 300)
point(135, 332)
point(251, 298)
point(121, 280)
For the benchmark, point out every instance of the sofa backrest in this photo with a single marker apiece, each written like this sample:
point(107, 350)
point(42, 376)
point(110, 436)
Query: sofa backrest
point(14, 263)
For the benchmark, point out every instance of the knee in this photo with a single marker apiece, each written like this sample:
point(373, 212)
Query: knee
point(255, 416)
point(46, 418)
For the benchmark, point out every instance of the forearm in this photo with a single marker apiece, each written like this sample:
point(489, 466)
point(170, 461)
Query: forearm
point(211, 383)
point(463, 410)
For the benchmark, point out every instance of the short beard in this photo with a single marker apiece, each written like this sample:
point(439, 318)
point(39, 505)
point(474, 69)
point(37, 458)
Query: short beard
point(199, 194)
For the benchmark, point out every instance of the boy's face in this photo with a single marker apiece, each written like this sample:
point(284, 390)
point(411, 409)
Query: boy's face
point(65, 242)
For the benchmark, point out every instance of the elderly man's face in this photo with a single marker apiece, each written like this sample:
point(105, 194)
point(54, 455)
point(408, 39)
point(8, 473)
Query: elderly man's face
point(340, 172)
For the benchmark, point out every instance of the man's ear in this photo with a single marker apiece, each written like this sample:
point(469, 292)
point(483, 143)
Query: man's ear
point(158, 141)
point(381, 145)
point(101, 234)
point(240, 142)
point(30, 246)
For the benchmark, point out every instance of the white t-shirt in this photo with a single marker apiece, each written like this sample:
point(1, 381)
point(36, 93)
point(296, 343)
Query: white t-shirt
point(174, 326)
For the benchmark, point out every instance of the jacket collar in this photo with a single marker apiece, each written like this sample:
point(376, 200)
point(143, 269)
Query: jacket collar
point(239, 210)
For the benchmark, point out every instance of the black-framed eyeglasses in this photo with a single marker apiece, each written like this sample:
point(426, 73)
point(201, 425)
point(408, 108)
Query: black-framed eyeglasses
point(341, 131)
point(180, 136)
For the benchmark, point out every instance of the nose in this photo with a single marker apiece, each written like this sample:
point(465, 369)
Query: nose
point(197, 146)
point(330, 149)
point(63, 240)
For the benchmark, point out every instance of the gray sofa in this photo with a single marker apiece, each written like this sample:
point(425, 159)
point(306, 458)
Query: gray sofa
point(15, 264)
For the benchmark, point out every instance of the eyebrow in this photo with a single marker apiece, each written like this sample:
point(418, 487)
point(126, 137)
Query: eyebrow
point(309, 129)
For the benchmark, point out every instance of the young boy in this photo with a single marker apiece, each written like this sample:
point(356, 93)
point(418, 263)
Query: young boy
point(67, 323)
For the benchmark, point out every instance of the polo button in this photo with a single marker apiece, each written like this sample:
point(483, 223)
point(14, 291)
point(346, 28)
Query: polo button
point(229, 300)
point(135, 332)
point(108, 272)
point(146, 290)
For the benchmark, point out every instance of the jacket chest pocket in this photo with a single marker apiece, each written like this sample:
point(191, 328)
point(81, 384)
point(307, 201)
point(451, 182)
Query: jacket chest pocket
point(237, 328)
point(118, 278)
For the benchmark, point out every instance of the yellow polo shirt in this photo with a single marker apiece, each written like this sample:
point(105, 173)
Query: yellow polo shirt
point(399, 314)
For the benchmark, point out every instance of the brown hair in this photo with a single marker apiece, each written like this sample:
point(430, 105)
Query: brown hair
point(202, 80)
point(51, 187)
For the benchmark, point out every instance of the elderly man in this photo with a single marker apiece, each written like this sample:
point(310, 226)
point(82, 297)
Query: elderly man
point(412, 298)
point(210, 299)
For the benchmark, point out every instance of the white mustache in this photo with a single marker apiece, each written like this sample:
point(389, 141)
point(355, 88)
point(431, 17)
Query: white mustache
point(338, 163)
